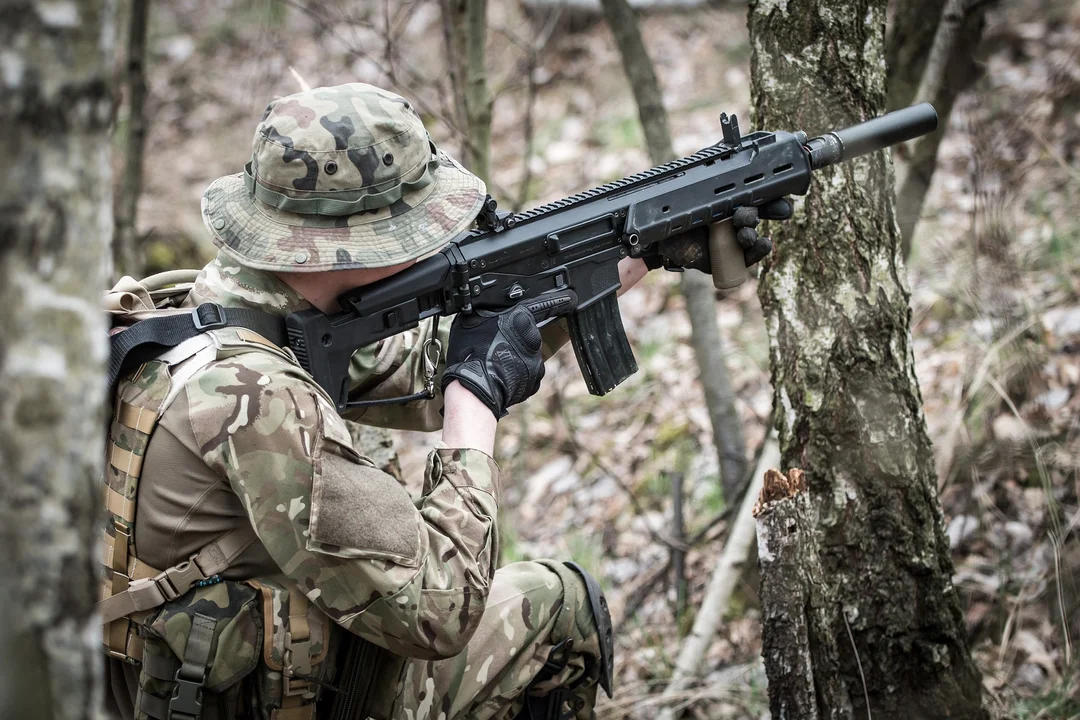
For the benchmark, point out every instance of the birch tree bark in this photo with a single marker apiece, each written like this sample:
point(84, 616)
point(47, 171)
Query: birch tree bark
point(848, 404)
point(55, 225)
point(799, 651)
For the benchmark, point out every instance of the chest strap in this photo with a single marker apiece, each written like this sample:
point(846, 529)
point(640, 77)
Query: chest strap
point(170, 584)
point(148, 338)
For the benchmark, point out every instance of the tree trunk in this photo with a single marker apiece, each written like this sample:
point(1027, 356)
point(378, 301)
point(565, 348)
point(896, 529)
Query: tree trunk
point(801, 659)
point(465, 34)
point(848, 403)
point(126, 237)
point(727, 428)
point(55, 225)
point(377, 444)
point(950, 68)
point(910, 37)
point(696, 287)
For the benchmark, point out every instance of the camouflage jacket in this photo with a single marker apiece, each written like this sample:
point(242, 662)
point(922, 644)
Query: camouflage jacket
point(411, 575)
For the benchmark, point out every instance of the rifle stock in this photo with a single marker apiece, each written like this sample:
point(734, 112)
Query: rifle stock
point(561, 259)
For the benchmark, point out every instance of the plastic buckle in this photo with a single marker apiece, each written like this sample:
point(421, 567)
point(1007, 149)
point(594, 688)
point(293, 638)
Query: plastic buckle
point(186, 700)
point(217, 321)
point(183, 577)
point(296, 666)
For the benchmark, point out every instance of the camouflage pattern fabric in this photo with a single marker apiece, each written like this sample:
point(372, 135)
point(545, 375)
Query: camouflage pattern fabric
point(340, 178)
point(238, 635)
point(270, 682)
point(235, 651)
point(414, 575)
point(410, 577)
point(390, 368)
point(532, 607)
point(121, 473)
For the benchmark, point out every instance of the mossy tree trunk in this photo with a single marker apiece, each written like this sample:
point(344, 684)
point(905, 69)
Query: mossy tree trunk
point(55, 225)
point(848, 404)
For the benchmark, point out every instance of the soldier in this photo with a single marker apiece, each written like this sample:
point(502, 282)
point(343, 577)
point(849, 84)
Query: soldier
point(344, 188)
point(257, 564)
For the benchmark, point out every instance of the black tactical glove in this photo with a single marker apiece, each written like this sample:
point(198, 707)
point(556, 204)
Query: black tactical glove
point(496, 356)
point(746, 220)
point(690, 249)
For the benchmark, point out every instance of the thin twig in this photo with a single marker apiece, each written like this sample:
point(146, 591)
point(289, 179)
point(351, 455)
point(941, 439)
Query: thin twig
point(299, 79)
point(388, 33)
point(724, 577)
point(1036, 450)
point(639, 509)
point(858, 662)
point(678, 556)
point(635, 601)
point(356, 50)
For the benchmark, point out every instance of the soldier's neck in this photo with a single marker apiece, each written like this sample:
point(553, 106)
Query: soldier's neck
point(322, 289)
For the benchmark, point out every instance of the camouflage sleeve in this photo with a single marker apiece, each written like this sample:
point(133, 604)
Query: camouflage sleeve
point(394, 367)
point(410, 576)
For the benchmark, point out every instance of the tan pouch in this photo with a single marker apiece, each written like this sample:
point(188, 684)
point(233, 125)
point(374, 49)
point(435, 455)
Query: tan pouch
point(296, 645)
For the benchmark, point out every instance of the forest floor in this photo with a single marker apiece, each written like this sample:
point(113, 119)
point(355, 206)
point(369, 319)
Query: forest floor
point(995, 309)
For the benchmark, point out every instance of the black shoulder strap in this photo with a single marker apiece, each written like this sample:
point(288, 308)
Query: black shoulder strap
point(149, 338)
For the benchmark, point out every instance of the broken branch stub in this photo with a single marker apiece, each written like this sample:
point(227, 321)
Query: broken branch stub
point(798, 648)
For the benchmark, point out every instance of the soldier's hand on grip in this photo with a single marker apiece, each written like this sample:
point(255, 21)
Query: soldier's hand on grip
point(689, 250)
point(746, 220)
point(496, 356)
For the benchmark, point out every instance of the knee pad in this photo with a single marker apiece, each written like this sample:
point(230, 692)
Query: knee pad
point(605, 632)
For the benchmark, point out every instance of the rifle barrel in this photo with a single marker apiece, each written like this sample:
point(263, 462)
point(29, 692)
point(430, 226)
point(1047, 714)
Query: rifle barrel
point(888, 130)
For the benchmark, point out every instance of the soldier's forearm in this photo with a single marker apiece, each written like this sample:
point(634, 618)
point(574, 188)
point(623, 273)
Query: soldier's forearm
point(467, 422)
point(631, 270)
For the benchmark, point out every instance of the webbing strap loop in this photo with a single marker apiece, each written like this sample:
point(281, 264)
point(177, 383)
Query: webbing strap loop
point(431, 353)
point(148, 338)
point(186, 701)
point(173, 582)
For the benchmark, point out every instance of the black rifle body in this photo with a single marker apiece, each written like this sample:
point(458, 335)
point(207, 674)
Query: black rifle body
point(561, 259)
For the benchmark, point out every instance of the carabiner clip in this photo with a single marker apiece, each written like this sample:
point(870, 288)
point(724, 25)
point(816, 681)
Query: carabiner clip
point(431, 363)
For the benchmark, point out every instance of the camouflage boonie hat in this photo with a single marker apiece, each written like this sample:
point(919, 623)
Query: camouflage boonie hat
point(340, 178)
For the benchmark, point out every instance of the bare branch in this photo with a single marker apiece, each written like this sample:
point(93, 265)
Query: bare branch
point(724, 578)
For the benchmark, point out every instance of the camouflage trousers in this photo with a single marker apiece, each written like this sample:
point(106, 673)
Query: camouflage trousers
point(532, 607)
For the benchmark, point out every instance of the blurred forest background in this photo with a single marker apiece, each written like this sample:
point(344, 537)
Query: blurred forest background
point(629, 485)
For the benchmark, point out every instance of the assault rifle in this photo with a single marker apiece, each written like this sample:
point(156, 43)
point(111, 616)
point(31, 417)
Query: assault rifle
point(561, 259)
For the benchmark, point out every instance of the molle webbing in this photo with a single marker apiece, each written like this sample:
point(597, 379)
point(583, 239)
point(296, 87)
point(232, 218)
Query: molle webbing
point(151, 592)
point(134, 417)
point(131, 588)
